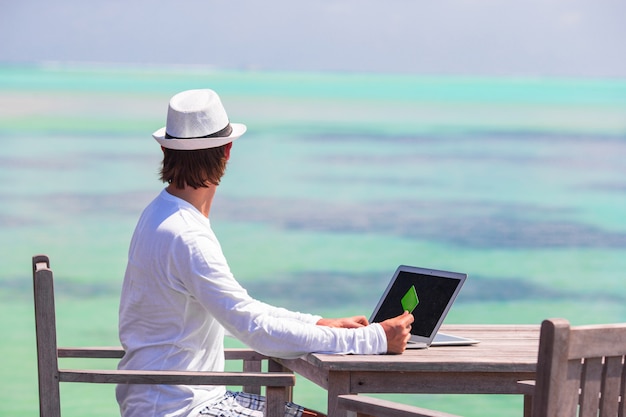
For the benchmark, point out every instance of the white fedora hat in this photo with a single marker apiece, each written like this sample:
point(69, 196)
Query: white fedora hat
point(196, 119)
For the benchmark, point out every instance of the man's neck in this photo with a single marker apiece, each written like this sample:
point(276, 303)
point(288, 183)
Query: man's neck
point(200, 198)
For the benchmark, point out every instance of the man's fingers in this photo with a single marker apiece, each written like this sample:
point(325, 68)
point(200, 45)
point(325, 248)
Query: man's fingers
point(407, 318)
point(363, 320)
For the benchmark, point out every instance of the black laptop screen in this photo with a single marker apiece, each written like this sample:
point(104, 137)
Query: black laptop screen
point(432, 296)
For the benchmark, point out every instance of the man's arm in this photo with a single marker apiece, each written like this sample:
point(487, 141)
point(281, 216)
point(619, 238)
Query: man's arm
point(397, 329)
point(345, 322)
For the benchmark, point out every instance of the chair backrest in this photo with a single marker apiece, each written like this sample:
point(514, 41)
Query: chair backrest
point(45, 328)
point(277, 383)
point(581, 370)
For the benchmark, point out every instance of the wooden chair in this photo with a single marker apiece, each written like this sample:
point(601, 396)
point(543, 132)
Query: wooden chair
point(277, 385)
point(581, 371)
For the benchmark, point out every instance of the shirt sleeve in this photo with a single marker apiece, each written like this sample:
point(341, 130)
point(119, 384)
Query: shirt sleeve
point(273, 331)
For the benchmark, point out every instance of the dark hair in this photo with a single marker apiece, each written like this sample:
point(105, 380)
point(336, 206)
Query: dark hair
point(194, 168)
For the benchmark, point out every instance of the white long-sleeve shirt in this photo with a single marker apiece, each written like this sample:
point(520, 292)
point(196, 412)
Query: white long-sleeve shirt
point(178, 297)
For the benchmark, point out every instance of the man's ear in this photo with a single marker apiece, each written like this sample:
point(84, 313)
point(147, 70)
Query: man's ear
point(227, 149)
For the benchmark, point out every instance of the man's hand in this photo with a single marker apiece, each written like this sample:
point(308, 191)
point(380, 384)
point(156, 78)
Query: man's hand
point(398, 332)
point(345, 322)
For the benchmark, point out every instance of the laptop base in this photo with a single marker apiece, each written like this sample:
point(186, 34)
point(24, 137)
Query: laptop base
point(443, 339)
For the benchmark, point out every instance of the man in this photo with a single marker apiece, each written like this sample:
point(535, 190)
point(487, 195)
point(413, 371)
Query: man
point(179, 296)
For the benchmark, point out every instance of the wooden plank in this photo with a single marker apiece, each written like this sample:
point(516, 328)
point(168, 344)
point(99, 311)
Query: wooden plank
point(503, 351)
point(273, 366)
point(483, 361)
point(437, 382)
point(118, 352)
point(598, 341)
point(112, 352)
point(566, 393)
point(45, 329)
point(591, 384)
point(275, 401)
point(338, 384)
point(252, 366)
point(611, 379)
point(363, 405)
point(622, 407)
point(177, 377)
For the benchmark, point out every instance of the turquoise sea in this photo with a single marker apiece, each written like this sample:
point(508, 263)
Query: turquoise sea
point(521, 183)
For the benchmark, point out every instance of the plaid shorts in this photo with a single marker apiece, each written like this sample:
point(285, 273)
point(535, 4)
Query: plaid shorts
point(243, 404)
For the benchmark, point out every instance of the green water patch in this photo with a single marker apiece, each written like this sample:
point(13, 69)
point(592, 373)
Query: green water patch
point(80, 322)
point(275, 83)
point(91, 99)
point(476, 224)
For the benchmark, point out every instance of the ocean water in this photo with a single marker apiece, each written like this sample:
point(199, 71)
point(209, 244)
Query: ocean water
point(521, 183)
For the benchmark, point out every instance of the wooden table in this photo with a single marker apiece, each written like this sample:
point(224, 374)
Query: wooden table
point(505, 355)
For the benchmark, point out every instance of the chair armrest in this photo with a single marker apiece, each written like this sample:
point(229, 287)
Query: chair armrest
point(118, 352)
point(361, 404)
point(271, 379)
point(114, 352)
point(252, 361)
point(278, 385)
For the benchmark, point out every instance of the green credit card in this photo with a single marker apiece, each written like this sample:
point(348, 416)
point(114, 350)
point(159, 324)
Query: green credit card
point(409, 300)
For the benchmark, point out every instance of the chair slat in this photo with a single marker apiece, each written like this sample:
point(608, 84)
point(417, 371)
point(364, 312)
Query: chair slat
point(568, 398)
point(591, 384)
point(621, 412)
point(611, 379)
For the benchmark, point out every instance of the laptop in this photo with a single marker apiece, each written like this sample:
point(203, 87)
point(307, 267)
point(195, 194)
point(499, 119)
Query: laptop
point(428, 294)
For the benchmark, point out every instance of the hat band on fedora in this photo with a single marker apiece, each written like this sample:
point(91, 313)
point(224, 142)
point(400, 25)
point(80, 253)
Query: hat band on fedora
point(224, 133)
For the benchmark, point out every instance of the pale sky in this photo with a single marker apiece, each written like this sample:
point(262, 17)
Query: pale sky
point(568, 38)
